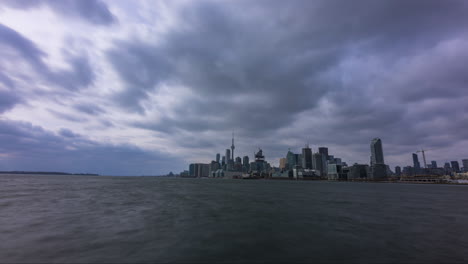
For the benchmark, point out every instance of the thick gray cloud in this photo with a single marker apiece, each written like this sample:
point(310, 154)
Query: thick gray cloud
point(28, 147)
point(278, 73)
point(18, 49)
point(94, 11)
point(358, 68)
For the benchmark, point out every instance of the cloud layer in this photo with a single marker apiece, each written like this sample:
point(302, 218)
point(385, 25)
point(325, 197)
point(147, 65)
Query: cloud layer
point(177, 78)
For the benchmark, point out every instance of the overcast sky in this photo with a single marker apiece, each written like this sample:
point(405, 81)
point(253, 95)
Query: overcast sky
point(146, 87)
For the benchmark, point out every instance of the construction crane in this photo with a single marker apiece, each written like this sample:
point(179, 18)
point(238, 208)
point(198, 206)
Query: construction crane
point(424, 156)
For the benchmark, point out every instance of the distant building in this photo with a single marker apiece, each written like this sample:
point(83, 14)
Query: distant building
point(455, 166)
point(228, 155)
point(223, 161)
point(307, 157)
point(218, 157)
point(377, 156)
point(336, 172)
point(465, 165)
point(378, 171)
point(398, 170)
point(358, 172)
point(434, 164)
point(291, 160)
point(416, 164)
point(199, 170)
point(324, 151)
point(245, 163)
point(282, 163)
point(319, 163)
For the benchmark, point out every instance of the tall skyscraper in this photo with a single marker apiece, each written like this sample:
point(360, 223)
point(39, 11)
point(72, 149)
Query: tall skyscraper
point(318, 163)
point(228, 155)
point(307, 157)
point(223, 161)
point(245, 161)
point(416, 164)
point(377, 156)
point(232, 146)
point(324, 151)
point(455, 166)
point(291, 160)
point(434, 164)
point(217, 157)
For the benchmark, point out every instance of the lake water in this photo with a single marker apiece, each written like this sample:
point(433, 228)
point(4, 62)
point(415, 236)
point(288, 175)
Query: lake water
point(147, 219)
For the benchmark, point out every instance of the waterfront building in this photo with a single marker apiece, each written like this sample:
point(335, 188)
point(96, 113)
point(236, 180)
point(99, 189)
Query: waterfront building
point(218, 157)
point(336, 172)
point(228, 155)
point(358, 172)
point(199, 170)
point(378, 171)
point(434, 164)
point(377, 156)
point(214, 166)
point(416, 164)
point(455, 166)
point(307, 157)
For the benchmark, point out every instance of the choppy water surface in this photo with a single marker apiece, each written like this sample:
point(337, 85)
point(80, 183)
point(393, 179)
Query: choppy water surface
point(147, 219)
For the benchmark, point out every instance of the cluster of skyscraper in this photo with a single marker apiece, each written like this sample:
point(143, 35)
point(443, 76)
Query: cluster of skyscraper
point(229, 167)
point(449, 168)
point(315, 165)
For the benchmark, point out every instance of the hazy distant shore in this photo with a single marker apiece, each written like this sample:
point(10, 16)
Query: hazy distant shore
point(47, 173)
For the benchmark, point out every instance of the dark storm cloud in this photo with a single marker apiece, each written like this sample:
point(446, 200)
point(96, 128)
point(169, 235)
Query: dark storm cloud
point(358, 67)
point(93, 11)
point(29, 147)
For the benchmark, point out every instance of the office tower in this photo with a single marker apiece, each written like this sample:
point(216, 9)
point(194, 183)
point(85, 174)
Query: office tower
point(298, 160)
point(217, 157)
point(398, 170)
point(358, 172)
point(228, 155)
point(455, 166)
point(291, 160)
point(282, 163)
point(377, 156)
point(307, 157)
point(238, 160)
point(416, 164)
point(192, 170)
point(232, 146)
point(317, 163)
point(434, 164)
point(465, 165)
point(245, 163)
point(324, 151)
point(223, 161)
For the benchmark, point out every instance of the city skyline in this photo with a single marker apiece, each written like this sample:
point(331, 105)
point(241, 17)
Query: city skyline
point(148, 87)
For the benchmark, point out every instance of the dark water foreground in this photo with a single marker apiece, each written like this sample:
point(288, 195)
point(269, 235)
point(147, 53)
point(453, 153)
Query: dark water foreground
point(145, 219)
